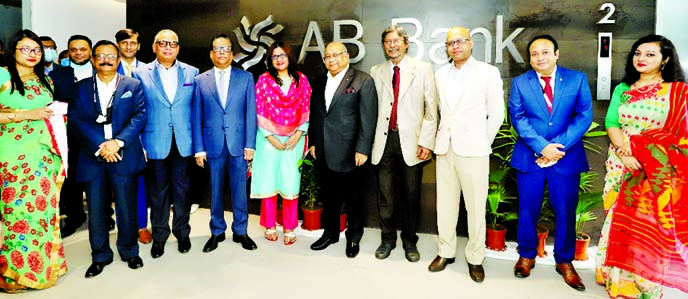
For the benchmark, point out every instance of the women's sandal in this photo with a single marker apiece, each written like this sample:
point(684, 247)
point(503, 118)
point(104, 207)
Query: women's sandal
point(289, 237)
point(271, 234)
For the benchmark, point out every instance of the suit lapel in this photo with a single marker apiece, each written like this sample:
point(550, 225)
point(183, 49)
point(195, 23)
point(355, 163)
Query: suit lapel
point(180, 82)
point(158, 83)
point(536, 90)
point(211, 86)
point(558, 88)
point(91, 91)
point(233, 84)
point(406, 77)
point(387, 78)
point(346, 81)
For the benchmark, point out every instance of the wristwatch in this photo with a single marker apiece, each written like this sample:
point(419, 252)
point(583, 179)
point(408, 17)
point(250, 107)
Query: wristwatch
point(119, 142)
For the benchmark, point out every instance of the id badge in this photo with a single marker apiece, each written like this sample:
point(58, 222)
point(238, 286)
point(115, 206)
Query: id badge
point(101, 119)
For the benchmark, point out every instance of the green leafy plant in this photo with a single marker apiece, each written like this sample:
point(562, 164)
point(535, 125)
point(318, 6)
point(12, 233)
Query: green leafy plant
point(497, 195)
point(309, 183)
point(587, 201)
point(592, 132)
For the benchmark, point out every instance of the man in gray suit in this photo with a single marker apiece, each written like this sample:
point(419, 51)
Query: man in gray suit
point(404, 137)
point(343, 110)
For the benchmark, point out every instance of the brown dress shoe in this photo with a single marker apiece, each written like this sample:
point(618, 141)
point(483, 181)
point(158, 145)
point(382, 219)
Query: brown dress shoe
point(523, 266)
point(570, 276)
point(439, 263)
point(145, 236)
point(476, 272)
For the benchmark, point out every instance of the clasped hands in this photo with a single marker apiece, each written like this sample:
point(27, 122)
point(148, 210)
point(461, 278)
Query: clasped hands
point(290, 144)
point(626, 155)
point(109, 150)
point(551, 154)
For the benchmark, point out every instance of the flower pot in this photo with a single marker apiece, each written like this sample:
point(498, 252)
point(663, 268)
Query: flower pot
point(342, 222)
point(542, 239)
point(582, 241)
point(495, 237)
point(311, 218)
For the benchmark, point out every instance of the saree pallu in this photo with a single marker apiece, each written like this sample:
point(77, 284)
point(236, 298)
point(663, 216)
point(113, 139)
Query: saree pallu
point(649, 230)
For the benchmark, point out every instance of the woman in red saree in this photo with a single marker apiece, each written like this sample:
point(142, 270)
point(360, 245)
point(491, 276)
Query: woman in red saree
point(644, 241)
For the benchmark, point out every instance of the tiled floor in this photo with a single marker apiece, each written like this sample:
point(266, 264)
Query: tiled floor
point(279, 271)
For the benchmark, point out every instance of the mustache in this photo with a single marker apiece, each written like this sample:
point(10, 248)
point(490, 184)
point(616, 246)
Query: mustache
point(106, 64)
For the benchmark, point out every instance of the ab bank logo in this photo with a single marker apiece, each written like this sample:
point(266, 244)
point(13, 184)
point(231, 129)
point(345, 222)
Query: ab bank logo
point(254, 40)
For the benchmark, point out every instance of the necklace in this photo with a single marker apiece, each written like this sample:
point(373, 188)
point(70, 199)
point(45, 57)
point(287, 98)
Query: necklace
point(647, 83)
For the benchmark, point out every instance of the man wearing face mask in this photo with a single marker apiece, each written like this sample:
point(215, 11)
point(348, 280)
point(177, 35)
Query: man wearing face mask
point(49, 54)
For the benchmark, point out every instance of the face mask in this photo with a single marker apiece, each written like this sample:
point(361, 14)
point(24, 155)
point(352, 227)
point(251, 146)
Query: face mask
point(85, 66)
point(64, 62)
point(50, 55)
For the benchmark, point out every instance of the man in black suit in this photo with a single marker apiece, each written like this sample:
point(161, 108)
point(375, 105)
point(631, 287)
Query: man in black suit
point(343, 118)
point(71, 194)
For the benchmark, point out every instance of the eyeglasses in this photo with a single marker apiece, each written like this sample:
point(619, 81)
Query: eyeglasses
point(102, 57)
point(167, 43)
point(26, 51)
point(222, 49)
point(334, 55)
point(457, 42)
point(279, 56)
point(390, 42)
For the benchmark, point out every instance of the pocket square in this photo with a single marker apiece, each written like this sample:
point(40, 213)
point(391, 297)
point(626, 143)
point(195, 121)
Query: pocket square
point(349, 90)
point(126, 95)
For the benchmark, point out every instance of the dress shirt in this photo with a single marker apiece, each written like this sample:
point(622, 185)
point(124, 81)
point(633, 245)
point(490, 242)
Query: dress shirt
point(105, 92)
point(50, 68)
point(332, 85)
point(552, 81)
point(169, 77)
point(456, 82)
point(128, 67)
point(222, 87)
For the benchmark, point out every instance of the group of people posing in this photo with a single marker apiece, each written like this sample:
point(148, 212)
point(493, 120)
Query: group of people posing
point(124, 116)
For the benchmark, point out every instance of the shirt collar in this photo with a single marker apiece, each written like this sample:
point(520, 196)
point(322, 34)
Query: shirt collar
point(228, 70)
point(469, 63)
point(402, 64)
point(554, 73)
point(339, 75)
point(160, 66)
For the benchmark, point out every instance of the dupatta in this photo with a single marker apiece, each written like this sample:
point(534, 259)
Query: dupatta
point(278, 113)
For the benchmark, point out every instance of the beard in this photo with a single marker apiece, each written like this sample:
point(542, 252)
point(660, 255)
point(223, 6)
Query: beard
point(80, 63)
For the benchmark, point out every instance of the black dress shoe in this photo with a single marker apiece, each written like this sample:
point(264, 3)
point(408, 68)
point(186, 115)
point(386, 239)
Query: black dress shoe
point(439, 263)
point(322, 243)
point(158, 249)
point(96, 268)
point(71, 227)
point(352, 249)
point(382, 252)
point(134, 262)
point(476, 272)
point(411, 253)
point(245, 241)
point(184, 245)
point(212, 242)
point(111, 224)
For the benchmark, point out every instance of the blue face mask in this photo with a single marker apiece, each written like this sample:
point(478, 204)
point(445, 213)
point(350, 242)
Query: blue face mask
point(49, 55)
point(64, 62)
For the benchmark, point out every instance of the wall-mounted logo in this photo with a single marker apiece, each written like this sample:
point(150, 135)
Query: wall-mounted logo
point(254, 40)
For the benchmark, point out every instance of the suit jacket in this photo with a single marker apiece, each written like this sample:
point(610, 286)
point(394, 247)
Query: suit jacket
point(348, 126)
point(416, 108)
point(63, 81)
point(234, 125)
point(120, 67)
point(164, 117)
point(570, 118)
point(128, 119)
point(474, 121)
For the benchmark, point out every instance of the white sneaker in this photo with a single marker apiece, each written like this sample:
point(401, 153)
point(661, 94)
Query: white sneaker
point(194, 208)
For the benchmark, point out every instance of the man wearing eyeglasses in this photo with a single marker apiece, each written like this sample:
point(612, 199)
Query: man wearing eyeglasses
point(343, 112)
point(224, 131)
point(107, 117)
point(168, 86)
point(404, 137)
point(471, 103)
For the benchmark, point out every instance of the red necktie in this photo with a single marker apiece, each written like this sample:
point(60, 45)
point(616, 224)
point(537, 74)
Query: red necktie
point(548, 93)
point(395, 88)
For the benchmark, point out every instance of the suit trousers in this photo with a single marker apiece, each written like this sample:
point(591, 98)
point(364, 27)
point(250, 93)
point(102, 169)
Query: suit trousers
point(340, 188)
point(98, 198)
point(400, 184)
point(237, 168)
point(563, 197)
point(72, 192)
point(470, 175)
point(168, 183)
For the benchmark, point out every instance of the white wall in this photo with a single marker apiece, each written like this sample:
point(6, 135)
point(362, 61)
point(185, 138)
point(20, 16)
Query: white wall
point(97, 19)
point(672, 23)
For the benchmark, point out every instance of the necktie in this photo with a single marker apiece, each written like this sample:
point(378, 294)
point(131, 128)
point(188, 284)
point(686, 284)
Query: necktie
point(223, 88)
point(549, 98)
point(395, 88)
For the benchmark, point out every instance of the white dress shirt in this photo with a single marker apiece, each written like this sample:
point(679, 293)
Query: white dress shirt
point(552, 81)
point(458, 78)
point(169, 77)
point(128, 67)
point(332, 85)
point(105, 93)
point(222, 84)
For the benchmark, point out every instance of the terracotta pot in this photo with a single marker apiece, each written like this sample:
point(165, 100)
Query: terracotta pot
point(495, 237)
point(311, 218)
point(342, 222)
point(542, 239)
point(582, 241)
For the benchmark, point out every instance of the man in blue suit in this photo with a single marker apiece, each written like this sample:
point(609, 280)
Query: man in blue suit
point(551, 109)
point(168, 86)
point(107, 117)
point(224, 133)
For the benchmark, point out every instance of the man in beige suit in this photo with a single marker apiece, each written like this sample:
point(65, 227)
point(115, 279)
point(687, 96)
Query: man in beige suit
point(404, 137)
point(471, 110)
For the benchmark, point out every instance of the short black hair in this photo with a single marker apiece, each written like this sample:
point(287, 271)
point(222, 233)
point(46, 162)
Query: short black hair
point(219, 36)
point(102, 43)
point(547, 37)
point(126, 34)
point(80, 37)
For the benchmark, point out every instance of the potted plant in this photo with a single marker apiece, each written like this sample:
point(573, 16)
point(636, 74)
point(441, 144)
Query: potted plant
point(497, 195)
point(587, 202)
point(546, 214)
point(312, 209)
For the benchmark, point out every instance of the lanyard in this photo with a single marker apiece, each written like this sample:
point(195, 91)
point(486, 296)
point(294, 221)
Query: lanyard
point(112, 98)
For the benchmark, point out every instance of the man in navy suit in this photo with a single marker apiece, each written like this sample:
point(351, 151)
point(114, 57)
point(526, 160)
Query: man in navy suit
point(224, 132)
point(107, 116)
point(551, 109)
point(168, 86)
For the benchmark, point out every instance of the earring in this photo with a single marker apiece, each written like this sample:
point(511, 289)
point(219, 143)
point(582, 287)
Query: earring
point(663, 65)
